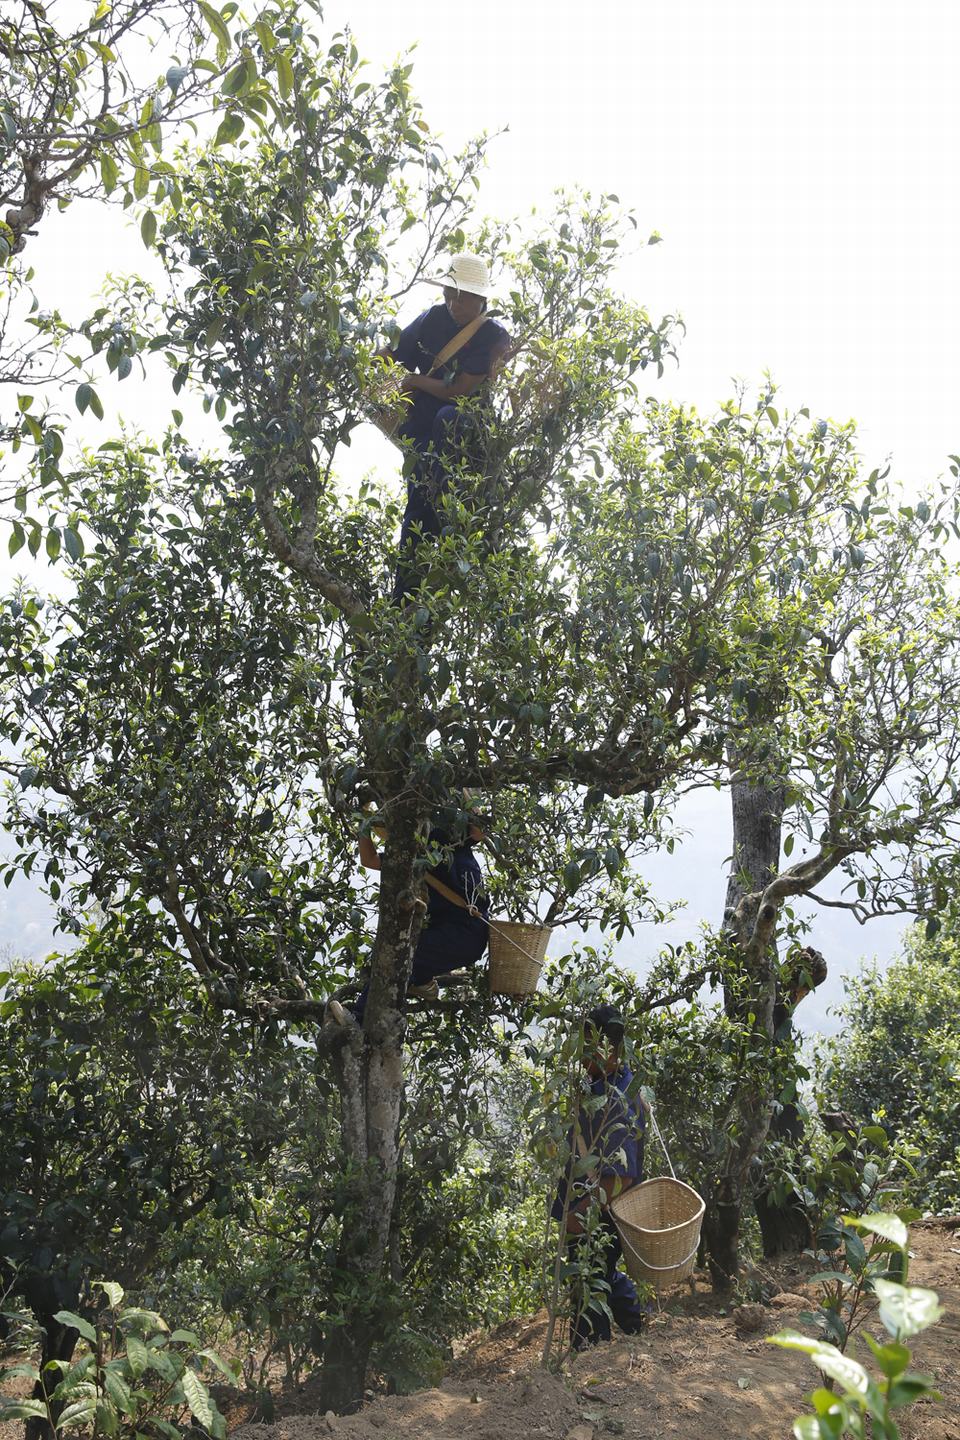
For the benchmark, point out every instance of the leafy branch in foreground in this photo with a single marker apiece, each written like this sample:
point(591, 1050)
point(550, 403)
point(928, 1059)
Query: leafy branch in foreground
point(905, 1310)
point(136, 1377)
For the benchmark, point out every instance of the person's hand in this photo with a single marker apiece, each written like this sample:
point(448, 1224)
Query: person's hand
point(409, 382)
point(574, 1223)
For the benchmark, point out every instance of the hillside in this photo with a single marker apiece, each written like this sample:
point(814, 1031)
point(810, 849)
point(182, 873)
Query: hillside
point(697, 1372)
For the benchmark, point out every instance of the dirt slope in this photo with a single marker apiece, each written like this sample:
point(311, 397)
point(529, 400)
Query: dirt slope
point(696, 1373)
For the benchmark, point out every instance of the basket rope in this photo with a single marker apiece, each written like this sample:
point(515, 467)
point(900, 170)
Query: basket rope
point(656, 1131)
point(625, 1240)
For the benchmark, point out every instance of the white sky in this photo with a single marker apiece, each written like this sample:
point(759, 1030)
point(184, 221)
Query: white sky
point(801, 164)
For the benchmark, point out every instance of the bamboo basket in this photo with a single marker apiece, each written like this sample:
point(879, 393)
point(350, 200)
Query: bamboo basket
point(387, 407)
point(659, 1224)
point(517, 952)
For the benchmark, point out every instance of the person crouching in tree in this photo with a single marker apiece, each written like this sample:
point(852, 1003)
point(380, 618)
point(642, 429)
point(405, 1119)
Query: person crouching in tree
point(448, 353)
point(613, 1132)
point(454, 935)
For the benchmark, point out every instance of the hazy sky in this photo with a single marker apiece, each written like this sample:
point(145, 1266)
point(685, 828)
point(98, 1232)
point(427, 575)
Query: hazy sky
point(801, 164)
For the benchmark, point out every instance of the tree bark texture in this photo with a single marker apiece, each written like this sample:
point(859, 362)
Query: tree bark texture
point(370, 1076)
point(757, 809)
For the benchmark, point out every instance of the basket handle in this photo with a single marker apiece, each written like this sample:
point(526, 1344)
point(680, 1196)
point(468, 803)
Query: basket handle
point(656, 1131)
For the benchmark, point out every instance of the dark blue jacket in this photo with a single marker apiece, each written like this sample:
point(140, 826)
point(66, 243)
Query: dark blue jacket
point(419, 345)
point(461, 873)
point(613, 1131)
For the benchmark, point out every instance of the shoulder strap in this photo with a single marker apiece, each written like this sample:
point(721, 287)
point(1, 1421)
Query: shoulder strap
point(446, 891)
point(459, 340)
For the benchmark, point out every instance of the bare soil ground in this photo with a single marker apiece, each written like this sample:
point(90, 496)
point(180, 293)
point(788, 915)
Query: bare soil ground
point(700, 1372)
point(696, 1374)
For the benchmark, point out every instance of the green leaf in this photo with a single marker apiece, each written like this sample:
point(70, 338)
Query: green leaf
point(892, 1358)
point(184, 1337)
point(110, 1288)
point(117, 1388)
point(22, 1410)
point(888, 1227)
point(109, 173)
point(77, 1322)
point(53, 542)
point(910, 1388)
point(230, 129)
point(237, 79)
point(571, 877)
point(78, 1415)
point(218, 28)
point(220, 1364)
point(905, 1310)
point(82, 397)
point(284, 76)
point(95, 404)
point(74, 548)
point(848, 1373)
point(165, 1427)
point(148, 228)
point(176, 75)
point(17, 539)
point(138, 1355)
point(198, 1398)
point(164, 1364)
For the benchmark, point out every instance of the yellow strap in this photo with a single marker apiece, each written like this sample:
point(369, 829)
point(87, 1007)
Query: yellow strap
point(459, 340)
point(449, 894)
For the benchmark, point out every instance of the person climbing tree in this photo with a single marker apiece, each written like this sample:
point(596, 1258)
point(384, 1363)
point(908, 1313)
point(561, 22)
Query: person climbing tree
point(454, 934)
point(448, 353)
point(614, 1133)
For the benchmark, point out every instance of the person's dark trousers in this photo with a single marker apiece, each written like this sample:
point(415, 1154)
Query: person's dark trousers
point(590, 1326)
point(424, 490)
point(440, 949)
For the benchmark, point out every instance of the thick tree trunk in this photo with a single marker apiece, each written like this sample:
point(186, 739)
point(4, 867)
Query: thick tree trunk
point(757, 809)
point(370, 1076)
point(58, 1343)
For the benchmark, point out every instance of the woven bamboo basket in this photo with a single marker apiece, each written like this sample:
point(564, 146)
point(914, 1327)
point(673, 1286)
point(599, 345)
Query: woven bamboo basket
point(659, 1224)
point(387, 407)
point(517, 952)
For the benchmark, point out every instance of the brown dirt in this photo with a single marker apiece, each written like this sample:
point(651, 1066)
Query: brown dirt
point(694, 1374)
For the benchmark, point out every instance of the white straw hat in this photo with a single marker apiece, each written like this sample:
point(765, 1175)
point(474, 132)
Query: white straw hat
point(467, 272)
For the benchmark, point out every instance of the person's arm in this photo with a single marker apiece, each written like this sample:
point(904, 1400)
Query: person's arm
point(405, 349)
point(369, 854)
point(439, 389)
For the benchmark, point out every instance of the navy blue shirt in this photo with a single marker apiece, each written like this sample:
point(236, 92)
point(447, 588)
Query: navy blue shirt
point(614, 1132)
point(461, 873)
point(419, 345)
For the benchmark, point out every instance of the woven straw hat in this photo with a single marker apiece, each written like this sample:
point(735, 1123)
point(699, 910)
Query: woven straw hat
point(467, 272)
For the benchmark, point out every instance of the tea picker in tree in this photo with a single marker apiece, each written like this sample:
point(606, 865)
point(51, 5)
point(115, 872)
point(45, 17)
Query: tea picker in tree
point(611, 1129)
point(448, 353)
point(454, 934)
